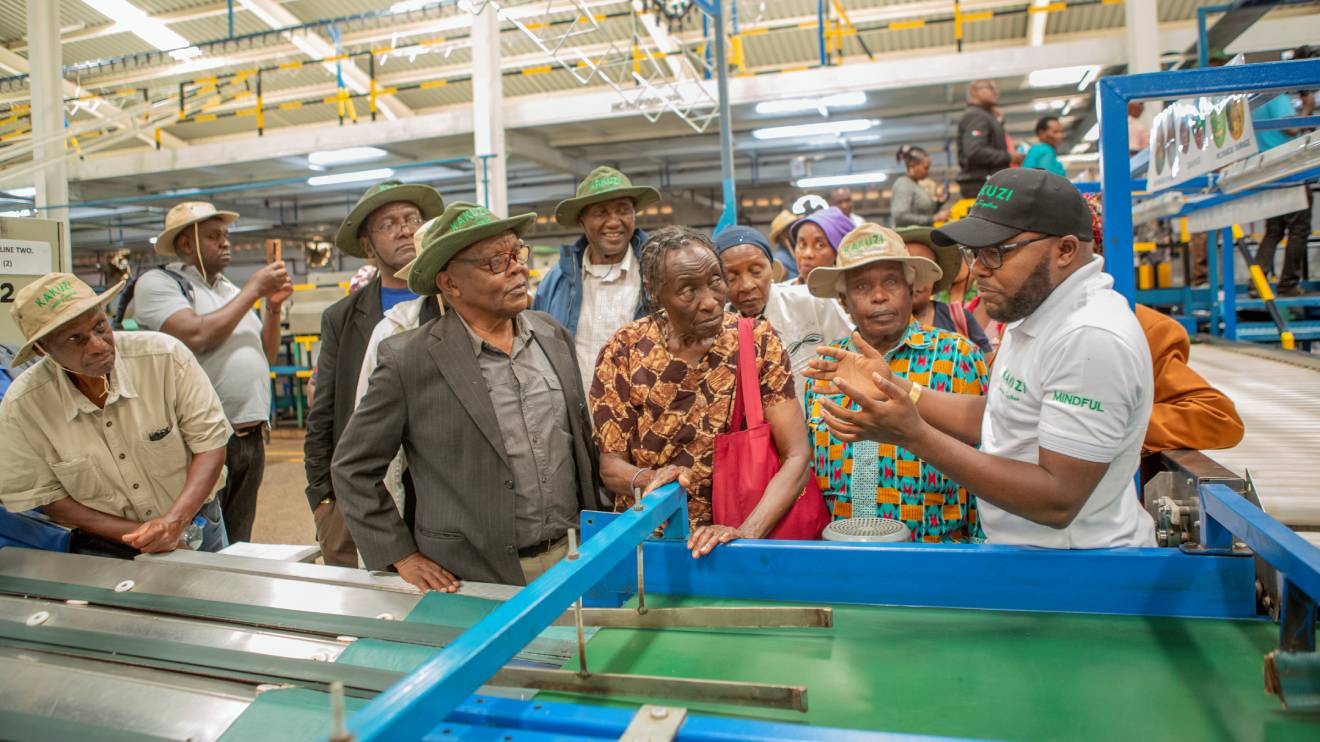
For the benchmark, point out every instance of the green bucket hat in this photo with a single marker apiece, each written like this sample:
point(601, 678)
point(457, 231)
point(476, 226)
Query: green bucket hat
point(461, 225)
point(603, 184)
point(948, 257)
point(423, 197)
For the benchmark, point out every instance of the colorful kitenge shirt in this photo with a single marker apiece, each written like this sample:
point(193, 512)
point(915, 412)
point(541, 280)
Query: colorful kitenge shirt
point(655, 409)
point(897, 484)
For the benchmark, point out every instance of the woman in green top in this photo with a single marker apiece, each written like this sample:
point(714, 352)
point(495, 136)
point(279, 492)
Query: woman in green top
point(1042, 155)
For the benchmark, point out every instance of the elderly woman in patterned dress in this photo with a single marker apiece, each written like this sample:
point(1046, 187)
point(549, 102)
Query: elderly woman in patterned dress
point(664, 386)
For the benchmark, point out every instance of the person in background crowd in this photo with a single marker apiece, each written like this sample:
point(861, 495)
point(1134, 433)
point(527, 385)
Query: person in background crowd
point(1044, 154)
point(814, 239)
point(664, 389)
point(782, 244)
point(1138, 131)
point(596, 286)
point(235, 346)
point(1061, 430)
point(119, 435)
point(874, 279)
point(379, 228)
point(801, 320)
point(982, 145)
point(486, 404)
point(910, 204)
point(1296, 225)
point(928, 311)
point(1187, 412)
point(842, 199)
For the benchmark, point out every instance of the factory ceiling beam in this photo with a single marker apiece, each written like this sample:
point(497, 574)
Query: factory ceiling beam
point(533, 148)
point(317, 47)
point(575, 106)
point(102, 30)
point(1037, 23)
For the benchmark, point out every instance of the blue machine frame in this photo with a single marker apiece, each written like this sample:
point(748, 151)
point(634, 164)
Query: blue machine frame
point(1114, 93)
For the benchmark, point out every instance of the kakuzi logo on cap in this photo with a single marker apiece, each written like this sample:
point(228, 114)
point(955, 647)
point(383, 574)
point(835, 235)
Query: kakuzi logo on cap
point(471, 218)
point(605, 183)
point(990, 191)
point(56, 295)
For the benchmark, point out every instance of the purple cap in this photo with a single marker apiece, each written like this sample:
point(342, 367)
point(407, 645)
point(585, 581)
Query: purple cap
point(834, 223)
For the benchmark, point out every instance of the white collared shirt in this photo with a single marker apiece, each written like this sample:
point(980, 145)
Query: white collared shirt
point(609, 301)
point(1074, 377)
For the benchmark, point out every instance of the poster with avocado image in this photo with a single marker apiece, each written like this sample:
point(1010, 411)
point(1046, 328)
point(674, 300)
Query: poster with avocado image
point(1196, 136)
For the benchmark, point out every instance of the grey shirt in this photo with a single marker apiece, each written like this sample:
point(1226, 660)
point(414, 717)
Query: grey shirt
point(237, 368)
point(910, 205)
point(533, 418)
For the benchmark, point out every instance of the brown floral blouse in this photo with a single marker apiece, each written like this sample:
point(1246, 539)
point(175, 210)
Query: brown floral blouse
point(656, 409)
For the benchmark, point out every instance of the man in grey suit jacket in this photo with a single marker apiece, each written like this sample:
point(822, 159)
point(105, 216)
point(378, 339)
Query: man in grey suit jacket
point(380, 227)
point(487, 404)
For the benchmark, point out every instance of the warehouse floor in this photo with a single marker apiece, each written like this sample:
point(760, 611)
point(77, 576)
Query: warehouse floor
point(282, 513)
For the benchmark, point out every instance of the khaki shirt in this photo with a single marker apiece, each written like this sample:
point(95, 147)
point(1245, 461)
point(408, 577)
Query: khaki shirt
point(129, 459)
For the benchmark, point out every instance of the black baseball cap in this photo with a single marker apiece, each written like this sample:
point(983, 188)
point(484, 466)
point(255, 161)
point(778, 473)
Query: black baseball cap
point(1019, 200)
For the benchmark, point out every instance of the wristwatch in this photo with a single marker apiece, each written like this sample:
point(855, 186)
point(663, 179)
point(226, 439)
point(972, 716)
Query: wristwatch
point(914, 391)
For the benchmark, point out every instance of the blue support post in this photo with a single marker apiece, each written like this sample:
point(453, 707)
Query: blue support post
point(411, 708)
point(1115, 180)
point(1228, 256)
point(1216, 284)
point(820, 32)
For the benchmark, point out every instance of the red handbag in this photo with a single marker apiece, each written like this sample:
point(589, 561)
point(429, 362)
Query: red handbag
point(746, 459)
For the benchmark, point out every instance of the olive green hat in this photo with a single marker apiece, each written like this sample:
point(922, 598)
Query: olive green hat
point(423, 197)
point(461, 225)
point(603, 184)
point(948, 257)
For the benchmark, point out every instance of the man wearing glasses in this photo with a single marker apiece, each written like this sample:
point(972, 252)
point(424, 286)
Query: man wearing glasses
point(380, 229)
point(596, 287)
point(1060, 431)
point(487, 405)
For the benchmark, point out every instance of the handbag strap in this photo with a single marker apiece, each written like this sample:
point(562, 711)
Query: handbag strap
point(747, 398)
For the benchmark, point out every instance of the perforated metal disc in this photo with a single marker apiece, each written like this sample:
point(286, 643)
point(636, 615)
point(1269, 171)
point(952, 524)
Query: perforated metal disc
point(866, 529)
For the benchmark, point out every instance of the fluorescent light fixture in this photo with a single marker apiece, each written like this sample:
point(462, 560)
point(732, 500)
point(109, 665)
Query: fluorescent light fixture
point(17, 214)
point(1080, 157)
point(335, 157)
point(131, 18)
point(823, 128)
point(1088, 78)
point(1039, 106)
point(356, 176)
point(29, 192)
point(152, 240)
point(1092, 134)
point(409, 5)
point(1055, 77)
point(826, 181)
point(850, 99)
point(1080, 147)
point(1056, 104)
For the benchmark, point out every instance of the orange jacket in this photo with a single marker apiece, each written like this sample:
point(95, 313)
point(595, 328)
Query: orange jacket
point(1188, 412)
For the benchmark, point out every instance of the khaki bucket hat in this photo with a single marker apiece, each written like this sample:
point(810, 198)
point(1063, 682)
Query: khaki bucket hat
point(461, 225)
point(424, 197)
point(185, 215)
point(603, 184)
point(782, 221)
point(52, 300)
point(867, 244)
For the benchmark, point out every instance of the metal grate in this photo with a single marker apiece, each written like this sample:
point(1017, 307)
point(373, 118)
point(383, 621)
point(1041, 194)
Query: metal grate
point(866, 530)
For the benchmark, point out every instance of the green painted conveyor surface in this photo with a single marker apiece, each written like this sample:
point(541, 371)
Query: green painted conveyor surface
point(959, 673)
point(986, 674)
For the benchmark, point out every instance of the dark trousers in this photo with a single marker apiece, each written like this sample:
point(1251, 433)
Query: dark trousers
point(1297, 226)
point(245, 456)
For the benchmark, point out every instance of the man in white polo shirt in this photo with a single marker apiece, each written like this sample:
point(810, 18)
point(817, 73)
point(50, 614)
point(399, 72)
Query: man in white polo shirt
point(1070, 394)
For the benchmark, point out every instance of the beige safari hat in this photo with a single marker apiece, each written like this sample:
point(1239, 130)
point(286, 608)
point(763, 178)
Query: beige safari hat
point(185, 215)
point(867, 244)
point(782, 221)
point(52, 300)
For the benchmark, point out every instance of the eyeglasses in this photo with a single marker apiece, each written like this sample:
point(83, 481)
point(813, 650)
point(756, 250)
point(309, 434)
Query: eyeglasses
point(394, 226)
point(992, 257)
point(500, 261)
point(622, 210)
